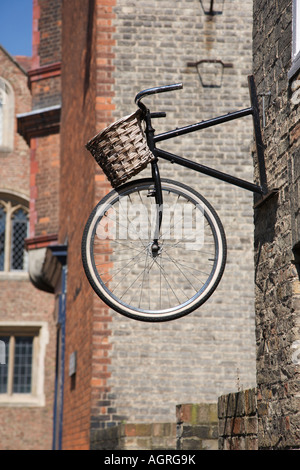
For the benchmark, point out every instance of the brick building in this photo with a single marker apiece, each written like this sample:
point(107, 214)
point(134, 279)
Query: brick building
point(39, 127)
point(27, 330)
point(117, 381)
point(110, 51)
point(89, 61)
point(276, 67)
point(276, 404)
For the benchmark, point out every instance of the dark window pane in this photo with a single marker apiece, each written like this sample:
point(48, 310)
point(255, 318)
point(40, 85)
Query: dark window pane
point(23, 364)
point(2, 237)
point(4, 352)
point(19, 233)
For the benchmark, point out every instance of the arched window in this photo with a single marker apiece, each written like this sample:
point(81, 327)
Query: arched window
point(6, 116)
point(13, 231)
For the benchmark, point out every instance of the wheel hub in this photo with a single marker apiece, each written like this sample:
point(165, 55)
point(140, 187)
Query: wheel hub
point(154, 249)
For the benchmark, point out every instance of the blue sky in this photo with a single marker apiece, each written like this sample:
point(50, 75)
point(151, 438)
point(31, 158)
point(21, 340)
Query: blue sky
point(16, 26)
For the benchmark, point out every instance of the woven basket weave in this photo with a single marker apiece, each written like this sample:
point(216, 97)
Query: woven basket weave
point(121, 149)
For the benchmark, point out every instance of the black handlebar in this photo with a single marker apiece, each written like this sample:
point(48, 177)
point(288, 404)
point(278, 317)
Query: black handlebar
point(159, 89)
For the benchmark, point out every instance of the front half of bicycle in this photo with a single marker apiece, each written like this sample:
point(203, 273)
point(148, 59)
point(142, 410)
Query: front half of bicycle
point(148, 275)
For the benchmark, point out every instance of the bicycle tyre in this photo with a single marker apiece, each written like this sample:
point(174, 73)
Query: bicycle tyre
point(145, 279)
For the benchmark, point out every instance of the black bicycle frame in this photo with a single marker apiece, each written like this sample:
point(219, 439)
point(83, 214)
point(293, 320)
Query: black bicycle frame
point(152, 139)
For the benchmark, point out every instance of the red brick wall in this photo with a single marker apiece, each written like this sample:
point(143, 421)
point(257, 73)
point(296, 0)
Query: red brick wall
point(46, 32)
point(44, 185)
point(103, 409)
point(27, 427)
point(46, 49)
point(76, 202)
point(87, 84)
point(46, 91)
point(23, 427)
point(105, 65)
point(14, 165)
point(45, 86)
point(50, 32)
point(35, 33)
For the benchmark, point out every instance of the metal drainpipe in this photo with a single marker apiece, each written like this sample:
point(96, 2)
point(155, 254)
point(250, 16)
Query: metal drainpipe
point(60, 360)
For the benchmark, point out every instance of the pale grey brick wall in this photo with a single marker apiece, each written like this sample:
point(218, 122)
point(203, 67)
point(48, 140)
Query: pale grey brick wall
point(211, 351)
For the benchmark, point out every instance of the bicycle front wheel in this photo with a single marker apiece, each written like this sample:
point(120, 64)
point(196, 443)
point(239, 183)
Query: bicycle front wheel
point(149, 284)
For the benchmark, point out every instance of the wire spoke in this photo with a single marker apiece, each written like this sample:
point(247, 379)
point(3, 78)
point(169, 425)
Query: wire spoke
point(182, 272)
point(130, 222)
point(143, 280)
point(184, 265)
point(166, 278)
point(118, 242)
point(120, 270)
point(133, 282)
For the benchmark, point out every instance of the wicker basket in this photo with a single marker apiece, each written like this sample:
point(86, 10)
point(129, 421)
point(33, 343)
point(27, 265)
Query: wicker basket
point(121, 149)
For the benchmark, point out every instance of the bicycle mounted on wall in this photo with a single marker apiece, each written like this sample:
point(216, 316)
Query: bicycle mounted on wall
point(154, 249)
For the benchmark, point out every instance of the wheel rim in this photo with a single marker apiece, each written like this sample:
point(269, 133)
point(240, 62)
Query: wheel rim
point(171, 280)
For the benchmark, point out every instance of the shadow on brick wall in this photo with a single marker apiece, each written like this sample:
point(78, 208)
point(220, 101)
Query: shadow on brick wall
point(238, 422)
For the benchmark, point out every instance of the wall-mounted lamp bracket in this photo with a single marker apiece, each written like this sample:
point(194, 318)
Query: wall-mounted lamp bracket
point(209, 5)
point(210, 61)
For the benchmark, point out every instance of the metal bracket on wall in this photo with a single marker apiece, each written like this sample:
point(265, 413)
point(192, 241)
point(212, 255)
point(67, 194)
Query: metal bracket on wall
point(260, 201)
point(209, 5)
point(263, 95)
point(260, 189)
point(267, 194)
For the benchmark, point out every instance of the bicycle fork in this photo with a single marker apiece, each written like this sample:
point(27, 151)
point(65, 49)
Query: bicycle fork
point(157, 192)
point(159, 208)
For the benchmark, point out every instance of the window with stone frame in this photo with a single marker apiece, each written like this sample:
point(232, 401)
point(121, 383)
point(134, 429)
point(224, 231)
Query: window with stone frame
point(13, 231)
point(16, 369)
point(22, 356)
point(6, 116)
